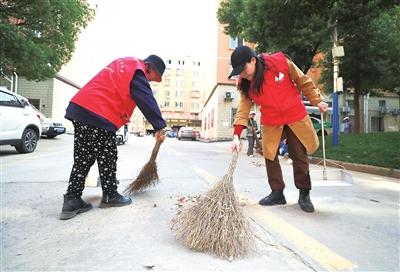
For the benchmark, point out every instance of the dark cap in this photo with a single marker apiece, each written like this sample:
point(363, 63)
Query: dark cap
point(157, 63)
point(240, 56)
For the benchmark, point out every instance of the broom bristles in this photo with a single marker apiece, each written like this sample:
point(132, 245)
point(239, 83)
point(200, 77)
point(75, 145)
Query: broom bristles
point(216, 223)
point(148, 175)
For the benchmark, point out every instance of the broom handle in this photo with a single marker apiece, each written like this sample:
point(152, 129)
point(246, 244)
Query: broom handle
point(232, 165)
point(156, 148)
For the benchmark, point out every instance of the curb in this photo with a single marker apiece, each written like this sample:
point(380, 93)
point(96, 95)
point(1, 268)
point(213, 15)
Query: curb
point(370, 169)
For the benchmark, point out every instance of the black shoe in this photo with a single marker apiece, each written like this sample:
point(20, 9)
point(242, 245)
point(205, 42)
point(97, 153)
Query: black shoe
point(305, 201)
point(73, 205)
point(114, 199)
point(276, 197)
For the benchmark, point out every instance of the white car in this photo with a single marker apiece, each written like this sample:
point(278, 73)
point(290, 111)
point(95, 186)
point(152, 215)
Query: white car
point(20, 125)
point(122, 135)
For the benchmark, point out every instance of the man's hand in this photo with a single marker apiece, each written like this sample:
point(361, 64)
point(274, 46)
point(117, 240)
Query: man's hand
point(235, 145)
point(160, 135)
point(323, 107)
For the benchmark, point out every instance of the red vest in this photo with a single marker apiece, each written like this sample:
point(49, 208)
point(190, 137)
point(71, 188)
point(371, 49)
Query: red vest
point(108, 93)
point(280, 101)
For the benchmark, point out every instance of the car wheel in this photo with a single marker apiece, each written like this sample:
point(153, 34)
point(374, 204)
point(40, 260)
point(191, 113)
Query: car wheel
point(28, 141)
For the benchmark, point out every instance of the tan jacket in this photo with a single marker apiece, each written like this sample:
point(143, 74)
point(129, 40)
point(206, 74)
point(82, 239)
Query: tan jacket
point(304, 130)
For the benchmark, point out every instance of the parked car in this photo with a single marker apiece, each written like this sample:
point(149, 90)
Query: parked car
point(20, 125)
point(171, 133)
point(317, 126)
point(49, 128)
point(187, 133)
point(122, 135)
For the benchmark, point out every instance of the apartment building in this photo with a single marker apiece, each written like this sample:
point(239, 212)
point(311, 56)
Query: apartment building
point(221, 104)
point(180, 95)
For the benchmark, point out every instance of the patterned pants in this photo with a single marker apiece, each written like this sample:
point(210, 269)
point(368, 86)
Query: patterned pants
point(91, 144)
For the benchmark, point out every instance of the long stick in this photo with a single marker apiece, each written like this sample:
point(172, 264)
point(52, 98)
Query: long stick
point(325, 177)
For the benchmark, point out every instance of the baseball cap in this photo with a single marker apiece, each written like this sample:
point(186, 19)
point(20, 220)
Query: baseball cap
point(157, 63)
point(240, 56)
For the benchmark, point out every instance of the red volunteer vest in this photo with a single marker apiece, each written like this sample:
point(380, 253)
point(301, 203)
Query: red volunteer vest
point(280, 101)
point(108, 93)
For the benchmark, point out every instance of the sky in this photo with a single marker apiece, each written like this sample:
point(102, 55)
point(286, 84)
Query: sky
point(168, 28)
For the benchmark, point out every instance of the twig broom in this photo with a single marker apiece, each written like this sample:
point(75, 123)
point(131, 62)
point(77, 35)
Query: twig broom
point(148, 175)
point(216, 223)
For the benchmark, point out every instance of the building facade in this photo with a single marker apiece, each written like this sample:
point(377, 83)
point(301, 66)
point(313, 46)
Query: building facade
point(221, 104)
point(180, 94)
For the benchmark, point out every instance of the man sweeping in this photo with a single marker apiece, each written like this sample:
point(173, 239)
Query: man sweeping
point(97, 111)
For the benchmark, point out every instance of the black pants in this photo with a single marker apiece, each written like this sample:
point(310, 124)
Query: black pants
point(298, 154)
point(91, 144)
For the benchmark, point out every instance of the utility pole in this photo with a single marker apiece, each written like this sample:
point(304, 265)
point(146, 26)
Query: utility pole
point(337, 52)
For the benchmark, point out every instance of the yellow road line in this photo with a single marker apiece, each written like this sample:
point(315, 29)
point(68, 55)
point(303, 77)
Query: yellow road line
point(321, 254)
point(327, 258)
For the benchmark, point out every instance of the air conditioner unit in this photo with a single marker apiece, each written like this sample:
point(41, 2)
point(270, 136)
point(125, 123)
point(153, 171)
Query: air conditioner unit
point(228, 95)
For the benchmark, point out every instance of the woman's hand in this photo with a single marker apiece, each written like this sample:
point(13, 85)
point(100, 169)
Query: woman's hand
point(323, 107)
point(160, 135)
point(236, 145)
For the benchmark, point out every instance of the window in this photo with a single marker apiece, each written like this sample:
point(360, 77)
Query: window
point(167, 93)
point(179, 93)
point(195, 83)
point(194, 94)
point(9, 100)
point(166, 82)
point(235, 42)
point(166, 104)
point(178, 105)
point(194, 106)
point(382, 103)
point(233, 113)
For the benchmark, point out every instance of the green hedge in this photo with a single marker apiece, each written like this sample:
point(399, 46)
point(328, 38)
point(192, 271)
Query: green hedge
point(378, 149)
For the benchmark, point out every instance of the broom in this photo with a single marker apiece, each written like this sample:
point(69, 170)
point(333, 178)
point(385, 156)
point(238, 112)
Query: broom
point(216, 223)
point(148, 175)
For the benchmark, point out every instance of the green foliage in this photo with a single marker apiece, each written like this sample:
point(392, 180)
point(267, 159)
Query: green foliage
point(38, 36)
point(368, 30)
point(378, 149)
point(386, 43)
point(299, 28)
point(363, 37)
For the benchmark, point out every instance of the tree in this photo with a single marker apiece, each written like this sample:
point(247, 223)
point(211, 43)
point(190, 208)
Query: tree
point(369, 48)
point(297, 27)
point(38, 37)
point(303, 28)
point(386, 43)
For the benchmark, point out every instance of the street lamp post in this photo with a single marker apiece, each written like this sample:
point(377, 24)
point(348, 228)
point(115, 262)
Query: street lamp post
point(337, 52)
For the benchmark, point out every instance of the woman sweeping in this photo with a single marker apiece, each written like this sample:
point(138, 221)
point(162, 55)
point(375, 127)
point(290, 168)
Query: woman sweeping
point(275, 83)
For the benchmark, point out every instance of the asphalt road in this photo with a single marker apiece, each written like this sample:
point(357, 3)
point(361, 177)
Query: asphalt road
point(355, 226)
